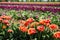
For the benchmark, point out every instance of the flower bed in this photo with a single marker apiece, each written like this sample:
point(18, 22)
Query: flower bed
point(29, 21)
point(42, 6)
point(29, 25)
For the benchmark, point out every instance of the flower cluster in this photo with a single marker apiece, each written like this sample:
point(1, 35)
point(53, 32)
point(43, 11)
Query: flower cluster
point(5, 21)
point(25, 25)
point(31, 27)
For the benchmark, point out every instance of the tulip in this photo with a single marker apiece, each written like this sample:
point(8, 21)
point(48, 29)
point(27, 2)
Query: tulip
point(31, 31)
point(45, 22)
point(5, 21)
point(53, 27)
point(56, 35)
point(23, 28)
point(28, 21)
point(40, 28)
point(42, 22)
point(6, 17)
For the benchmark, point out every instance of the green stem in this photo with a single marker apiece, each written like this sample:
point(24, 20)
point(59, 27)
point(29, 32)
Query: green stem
point(38, 36)
point(25, 35)
point(30, 38)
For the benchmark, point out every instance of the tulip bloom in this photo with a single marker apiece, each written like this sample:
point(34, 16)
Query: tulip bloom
point(42, 22)
point(30, 20)
point(40, 28)
point(5, 21)
point(23, 28)
point(45, 22)
point(56, 35)
point(26, 23)
point(31, 31)
point(53, 26)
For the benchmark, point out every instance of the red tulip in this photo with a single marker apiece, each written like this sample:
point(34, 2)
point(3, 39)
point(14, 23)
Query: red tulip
point(56, 35)
point(45, 22)
point(5, 21)
point(40, 28)
point(26, 23)
point(31, 31)
point(30, 20)
point(53, 27)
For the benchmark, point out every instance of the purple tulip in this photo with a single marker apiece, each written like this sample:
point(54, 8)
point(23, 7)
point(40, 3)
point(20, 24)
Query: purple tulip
point(33, 7)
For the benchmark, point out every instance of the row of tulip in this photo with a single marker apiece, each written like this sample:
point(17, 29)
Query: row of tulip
point(29, 25)
point(42, 30)
point(29, 29)
point(32, 7)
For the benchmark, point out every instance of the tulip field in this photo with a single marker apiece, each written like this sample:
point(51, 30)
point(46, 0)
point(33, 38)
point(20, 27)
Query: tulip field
point(31, 22)
point(29, 25)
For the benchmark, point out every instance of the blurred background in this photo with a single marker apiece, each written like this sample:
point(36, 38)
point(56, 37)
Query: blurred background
point(30, 0)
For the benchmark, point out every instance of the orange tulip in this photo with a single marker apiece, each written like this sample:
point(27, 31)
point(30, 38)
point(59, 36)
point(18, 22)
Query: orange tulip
point(23, 29)
point(40, 28)
point(56, 34)
point(42, 22)
point(31, 31)
point(30, 20)
point(45, 22)
point(3, 16)
point(53, 26)
point(26, 23)
point(6, 17)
